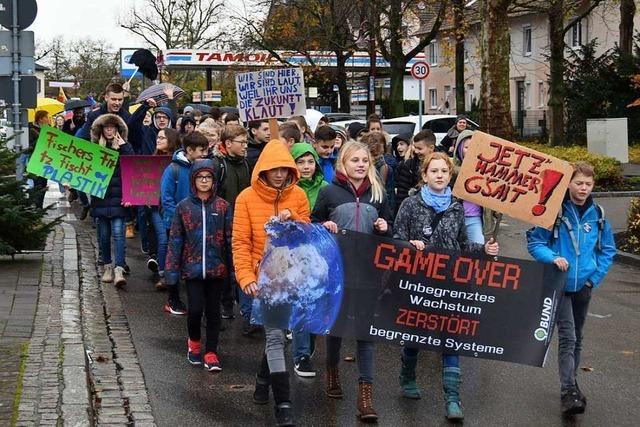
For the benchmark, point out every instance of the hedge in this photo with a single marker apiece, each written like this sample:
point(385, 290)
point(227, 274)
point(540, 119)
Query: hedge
point(608, 170)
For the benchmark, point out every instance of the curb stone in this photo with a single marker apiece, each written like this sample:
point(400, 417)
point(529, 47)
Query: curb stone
point(54, 389)
point(118, 389)
point(627, 259)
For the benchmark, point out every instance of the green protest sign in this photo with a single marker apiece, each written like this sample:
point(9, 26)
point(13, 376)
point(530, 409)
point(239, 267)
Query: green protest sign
point(81, 164)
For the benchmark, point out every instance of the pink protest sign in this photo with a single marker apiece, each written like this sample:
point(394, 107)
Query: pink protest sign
point(141, 179)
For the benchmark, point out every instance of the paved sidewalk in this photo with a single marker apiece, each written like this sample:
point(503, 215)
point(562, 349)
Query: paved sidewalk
point(66, 354)
point(18, 299)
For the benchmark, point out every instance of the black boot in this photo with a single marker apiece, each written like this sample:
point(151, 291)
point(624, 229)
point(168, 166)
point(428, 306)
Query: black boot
point(261, 395)
point(283, 408)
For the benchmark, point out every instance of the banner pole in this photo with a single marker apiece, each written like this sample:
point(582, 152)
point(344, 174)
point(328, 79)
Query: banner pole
point(274, 128)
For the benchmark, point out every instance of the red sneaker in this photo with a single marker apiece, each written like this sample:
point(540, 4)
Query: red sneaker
point(175, 307)
point(211, 362)
point(193, 352)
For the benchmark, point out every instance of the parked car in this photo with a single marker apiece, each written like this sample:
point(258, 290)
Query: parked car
point(340, 117)
point(439, 125)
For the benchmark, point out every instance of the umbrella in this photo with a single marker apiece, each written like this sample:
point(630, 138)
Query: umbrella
point(50, 105)
point(146, 63)
point(76, 103)
point(203, 108)
point(157, 92)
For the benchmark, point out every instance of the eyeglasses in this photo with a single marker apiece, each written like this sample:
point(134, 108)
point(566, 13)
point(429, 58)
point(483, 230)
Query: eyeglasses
point(241, 142)
point(204, 178)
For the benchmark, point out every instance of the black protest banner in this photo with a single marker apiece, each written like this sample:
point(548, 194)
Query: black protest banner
point(445, 301)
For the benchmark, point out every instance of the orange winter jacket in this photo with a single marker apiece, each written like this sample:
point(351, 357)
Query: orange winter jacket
point(256, 204)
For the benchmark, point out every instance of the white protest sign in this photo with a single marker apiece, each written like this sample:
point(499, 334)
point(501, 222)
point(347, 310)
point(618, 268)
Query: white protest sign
point(270, 94)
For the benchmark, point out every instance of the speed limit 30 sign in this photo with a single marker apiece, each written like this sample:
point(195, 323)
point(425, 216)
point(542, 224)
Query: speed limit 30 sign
point(420, 70)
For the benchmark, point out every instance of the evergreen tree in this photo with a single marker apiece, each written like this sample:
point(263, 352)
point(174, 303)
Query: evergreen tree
point(22, 226)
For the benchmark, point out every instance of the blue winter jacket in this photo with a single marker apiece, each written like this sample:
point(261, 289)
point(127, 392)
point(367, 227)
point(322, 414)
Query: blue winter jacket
point(589, 263)
point(327, 166)
point(143, 138)
point(200, 237)
point(172, 191)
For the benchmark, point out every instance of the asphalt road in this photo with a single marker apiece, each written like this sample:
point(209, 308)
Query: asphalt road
point(493, 393)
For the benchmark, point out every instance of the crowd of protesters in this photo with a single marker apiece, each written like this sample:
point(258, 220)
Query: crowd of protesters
point(225, 181)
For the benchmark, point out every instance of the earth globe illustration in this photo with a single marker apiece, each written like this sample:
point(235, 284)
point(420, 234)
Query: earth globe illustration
point(301, 279)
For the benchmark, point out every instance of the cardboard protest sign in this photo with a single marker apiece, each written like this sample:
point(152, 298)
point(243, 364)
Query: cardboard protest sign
point(65, 159)
point(520, 182)
point(141, 179)
point(270, 94)
point(380, 289)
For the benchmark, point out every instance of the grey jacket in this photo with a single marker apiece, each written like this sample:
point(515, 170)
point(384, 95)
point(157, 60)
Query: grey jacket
point(415, 222)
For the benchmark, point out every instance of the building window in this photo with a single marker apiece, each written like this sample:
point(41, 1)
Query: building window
point(432, 53)
point(471, 96)
point(466, 52)
point(527, 94)
point(433, 99)
point(38, 85)
point(542, 95)
point(526, 40)
point(576, 34)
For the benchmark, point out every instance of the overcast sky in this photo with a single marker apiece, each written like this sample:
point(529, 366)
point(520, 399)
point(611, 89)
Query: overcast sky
point(75, 19)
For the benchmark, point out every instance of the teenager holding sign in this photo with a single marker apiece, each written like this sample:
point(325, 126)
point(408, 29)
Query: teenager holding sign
point(273, 192)
point(580, 243)
point(355, 200)
point(109, 130)
point(434, 218)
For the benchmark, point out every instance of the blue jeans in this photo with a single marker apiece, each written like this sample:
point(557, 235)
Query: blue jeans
point(107, 227)
point(301, 345)
point(448, 360)
point(246, 302)
point(473, 227)
point(572, 313)
point(364, 357)
point(161, 237)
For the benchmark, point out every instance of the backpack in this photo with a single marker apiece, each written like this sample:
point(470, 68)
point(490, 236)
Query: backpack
point(563, 219)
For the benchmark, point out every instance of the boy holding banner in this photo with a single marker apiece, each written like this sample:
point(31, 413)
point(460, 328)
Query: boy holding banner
point(580, 243)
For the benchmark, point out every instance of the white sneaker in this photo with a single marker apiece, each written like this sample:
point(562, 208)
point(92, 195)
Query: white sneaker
point(119, 280)
point(107, 273)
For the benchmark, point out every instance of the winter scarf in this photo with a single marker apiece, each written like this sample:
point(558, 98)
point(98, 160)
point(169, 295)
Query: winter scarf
point(439, 202)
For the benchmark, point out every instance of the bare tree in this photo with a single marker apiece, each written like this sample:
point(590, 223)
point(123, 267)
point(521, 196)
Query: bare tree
point(171, 24)
point(627, 13)
point(91, 63)
point(562, 15)
point(495, 48)
point(393, 35)
point(304, 26)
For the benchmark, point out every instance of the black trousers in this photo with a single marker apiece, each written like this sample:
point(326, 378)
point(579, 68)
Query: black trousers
point(204, 297)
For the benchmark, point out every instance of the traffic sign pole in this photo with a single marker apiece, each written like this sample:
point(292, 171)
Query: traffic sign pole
point(15, 34)
point(420, 104)
point(420, 71)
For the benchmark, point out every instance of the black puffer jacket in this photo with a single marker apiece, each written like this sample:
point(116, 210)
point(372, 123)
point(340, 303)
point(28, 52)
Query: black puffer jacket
point(111, 205)
point(415, 221)
point(407, 177)
point(340, 203)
